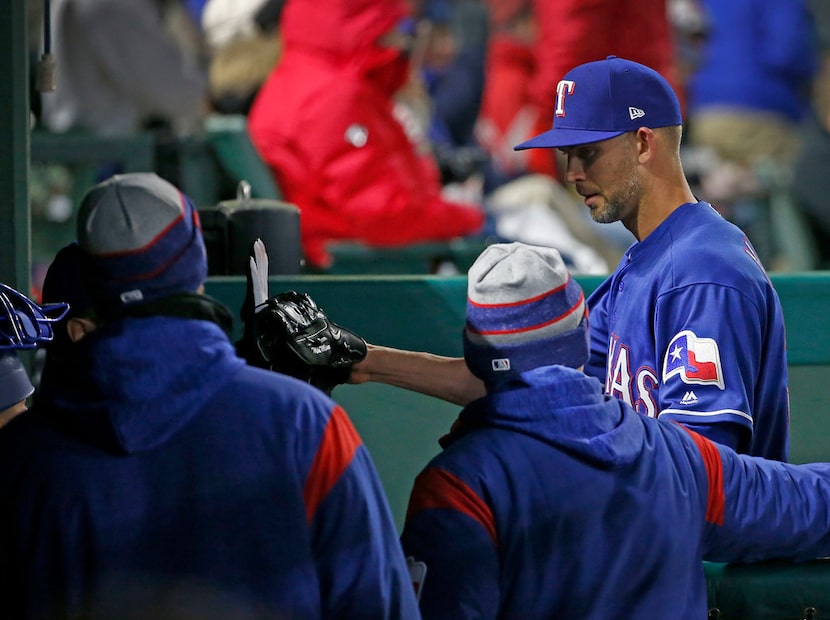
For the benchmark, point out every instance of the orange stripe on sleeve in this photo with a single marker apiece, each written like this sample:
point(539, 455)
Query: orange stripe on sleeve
point(716, 502)
point(337, 449)
point(437, 488)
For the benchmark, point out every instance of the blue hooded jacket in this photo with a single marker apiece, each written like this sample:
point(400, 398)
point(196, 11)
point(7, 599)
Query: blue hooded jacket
point(552, 500)
point(158, 473)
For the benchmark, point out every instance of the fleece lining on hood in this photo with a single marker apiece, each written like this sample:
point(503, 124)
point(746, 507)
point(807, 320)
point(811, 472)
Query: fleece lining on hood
point(136, 382)
point(559, 406)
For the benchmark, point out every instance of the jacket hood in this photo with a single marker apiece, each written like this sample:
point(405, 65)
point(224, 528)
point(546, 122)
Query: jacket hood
point(131, 385)
point(564, 408)
point(346, 30)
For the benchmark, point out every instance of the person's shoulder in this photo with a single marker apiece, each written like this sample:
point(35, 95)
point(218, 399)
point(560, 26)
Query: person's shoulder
point(707, 247)
point(19, 430)
point(702, 223)
point(36, 444)
point(313, 114)
point(274, 382)
point(305, 74)
point(279, 406)
point(480, 451)
point(460, 469)
point(267, 390)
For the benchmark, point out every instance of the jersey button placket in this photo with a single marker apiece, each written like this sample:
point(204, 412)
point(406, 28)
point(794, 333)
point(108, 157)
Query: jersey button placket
point(619, 285)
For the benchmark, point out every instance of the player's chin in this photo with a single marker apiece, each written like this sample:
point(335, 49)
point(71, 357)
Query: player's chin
point(597, 207)
point(603, 212)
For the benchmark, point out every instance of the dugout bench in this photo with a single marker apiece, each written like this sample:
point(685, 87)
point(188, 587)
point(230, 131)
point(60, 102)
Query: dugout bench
point(401, 428)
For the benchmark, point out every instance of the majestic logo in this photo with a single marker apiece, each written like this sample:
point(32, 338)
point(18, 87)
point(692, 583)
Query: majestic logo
point(695, 360)
point(635, 113)
point(500, 364)
point(565, 87)
point(689, 398)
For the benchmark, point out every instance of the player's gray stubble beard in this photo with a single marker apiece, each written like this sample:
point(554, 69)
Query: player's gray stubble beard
point(628, 194)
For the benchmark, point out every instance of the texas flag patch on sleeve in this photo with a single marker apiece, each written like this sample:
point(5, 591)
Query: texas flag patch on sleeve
point(695, 360)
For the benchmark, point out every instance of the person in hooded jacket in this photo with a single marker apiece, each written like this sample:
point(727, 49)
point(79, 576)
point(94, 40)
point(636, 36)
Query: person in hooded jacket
point(24, 325)
point(324, 122)
point(553, 500)
point(157, 475)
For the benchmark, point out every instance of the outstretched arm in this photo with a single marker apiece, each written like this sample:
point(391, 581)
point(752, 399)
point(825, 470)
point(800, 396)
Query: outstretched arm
point(443, 377)
point(289, 333)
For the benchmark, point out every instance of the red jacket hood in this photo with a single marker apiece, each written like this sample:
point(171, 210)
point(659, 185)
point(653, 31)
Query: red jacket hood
point(344, 29)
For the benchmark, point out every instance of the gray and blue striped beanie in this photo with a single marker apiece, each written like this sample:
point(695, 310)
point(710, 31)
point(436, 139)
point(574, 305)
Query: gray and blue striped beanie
point(524, 311)
point(141, 240)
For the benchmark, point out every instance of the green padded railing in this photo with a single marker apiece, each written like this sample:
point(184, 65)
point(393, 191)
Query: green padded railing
point(384, 307)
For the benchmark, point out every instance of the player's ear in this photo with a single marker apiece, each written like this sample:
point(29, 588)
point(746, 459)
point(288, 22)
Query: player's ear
point(645, 140)
point(78, 327)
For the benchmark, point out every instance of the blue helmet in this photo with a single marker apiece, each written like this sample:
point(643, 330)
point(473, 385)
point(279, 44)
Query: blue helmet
point(23, 323)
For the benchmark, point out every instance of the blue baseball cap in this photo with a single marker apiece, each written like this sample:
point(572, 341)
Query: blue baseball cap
point(604, 99)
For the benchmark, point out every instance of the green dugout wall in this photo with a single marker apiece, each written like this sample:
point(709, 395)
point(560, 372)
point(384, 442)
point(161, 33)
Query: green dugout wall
point(14, 146)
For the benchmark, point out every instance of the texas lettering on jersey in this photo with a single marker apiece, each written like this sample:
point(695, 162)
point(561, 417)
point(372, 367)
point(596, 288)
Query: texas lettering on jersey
point(638, 388)
point(692, 359)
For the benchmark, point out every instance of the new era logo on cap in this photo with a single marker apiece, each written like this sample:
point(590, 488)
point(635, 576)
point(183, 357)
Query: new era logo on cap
point(604, 99)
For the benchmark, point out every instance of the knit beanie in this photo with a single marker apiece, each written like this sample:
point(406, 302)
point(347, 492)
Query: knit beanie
point(523, 311)
point(14, 381)
point(141, 240)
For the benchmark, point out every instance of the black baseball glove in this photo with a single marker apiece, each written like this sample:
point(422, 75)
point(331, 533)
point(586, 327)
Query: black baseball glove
point(290, 333)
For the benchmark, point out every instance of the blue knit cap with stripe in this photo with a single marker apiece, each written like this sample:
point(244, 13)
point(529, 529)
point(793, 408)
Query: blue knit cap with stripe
point(141, 240)
point(524, 311)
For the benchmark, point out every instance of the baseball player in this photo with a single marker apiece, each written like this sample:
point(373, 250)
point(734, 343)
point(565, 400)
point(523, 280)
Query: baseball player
point(688, 327)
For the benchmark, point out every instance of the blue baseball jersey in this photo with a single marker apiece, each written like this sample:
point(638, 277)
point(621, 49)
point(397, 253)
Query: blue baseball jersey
point(689, 328)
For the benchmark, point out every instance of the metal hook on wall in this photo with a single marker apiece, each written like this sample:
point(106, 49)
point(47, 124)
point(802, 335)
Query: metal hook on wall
point(45, 81)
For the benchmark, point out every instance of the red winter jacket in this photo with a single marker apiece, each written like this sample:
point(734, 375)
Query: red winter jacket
point(323, 122)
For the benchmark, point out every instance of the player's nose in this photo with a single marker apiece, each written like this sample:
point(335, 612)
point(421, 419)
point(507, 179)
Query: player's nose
point(574, 170)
